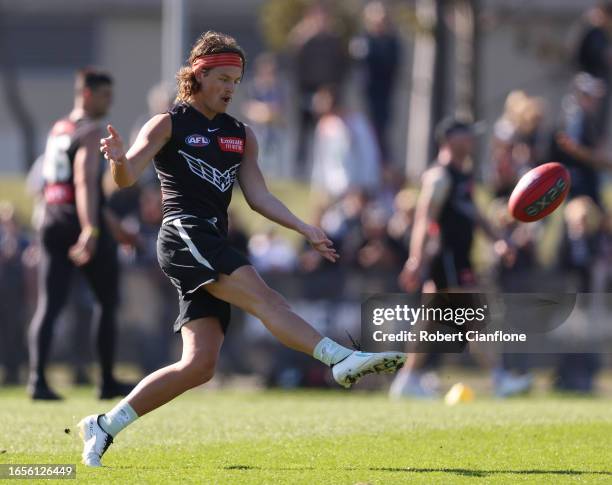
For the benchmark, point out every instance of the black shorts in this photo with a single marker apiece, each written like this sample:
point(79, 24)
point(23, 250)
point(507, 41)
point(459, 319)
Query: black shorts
point(192, 253)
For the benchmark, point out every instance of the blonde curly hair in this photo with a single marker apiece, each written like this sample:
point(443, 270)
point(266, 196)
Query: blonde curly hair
point(210, 42)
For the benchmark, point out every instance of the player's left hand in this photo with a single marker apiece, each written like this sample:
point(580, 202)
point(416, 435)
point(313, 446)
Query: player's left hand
point(319, 241)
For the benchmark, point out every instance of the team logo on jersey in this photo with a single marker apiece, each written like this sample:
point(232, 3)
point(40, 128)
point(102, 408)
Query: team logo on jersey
point(231, 144)
point(222, 180)
point(196, 140)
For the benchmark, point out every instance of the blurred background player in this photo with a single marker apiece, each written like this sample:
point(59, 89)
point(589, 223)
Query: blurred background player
point(193, 248)
point(446, 207)
point(76, 231)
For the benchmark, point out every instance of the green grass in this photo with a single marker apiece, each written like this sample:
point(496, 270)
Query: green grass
point(324, 438)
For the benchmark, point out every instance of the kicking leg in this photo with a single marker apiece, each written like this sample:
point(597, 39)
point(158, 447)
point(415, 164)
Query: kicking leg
point(245, 289)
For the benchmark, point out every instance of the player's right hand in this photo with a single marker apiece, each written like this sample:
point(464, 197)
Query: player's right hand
point(83, 250)
point(112, 146)
point(320, 242)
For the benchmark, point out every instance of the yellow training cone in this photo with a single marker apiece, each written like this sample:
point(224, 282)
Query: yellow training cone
point(459, 393)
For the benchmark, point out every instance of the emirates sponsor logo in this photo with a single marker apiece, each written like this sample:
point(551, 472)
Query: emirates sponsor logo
point(231, 144)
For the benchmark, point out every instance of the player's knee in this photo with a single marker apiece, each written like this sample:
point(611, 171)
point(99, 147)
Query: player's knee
point(199, 370)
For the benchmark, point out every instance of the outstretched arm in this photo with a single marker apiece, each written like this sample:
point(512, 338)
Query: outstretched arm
point(127, 167)
point(262, 201)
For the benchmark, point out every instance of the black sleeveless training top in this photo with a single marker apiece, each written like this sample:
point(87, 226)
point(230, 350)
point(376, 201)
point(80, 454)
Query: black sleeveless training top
point(458, 215)
point(63, 142)
point(199, 164)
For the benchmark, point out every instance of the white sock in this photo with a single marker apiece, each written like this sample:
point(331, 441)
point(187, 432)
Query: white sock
point(329, 352)
point(117, 418)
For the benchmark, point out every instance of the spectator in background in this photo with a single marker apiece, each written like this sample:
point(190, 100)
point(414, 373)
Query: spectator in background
point(264, 110)
point(581, 242)
point(271, 252)
point(578, 143)
point(594, 54)
point(379, 50)
point(13, 243)
point(515, 270)
point(517, 140)
point(378, 250)
point(345, 152)
point(341, 220)
point(579, 253)
point(516, 148)
point(321, 59)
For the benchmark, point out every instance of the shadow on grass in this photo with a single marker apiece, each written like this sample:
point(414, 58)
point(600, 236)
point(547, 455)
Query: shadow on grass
point(458, 471)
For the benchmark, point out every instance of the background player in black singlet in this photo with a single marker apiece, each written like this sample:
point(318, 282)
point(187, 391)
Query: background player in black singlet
point(198, 152)
point(75, 231)
point(446, 201)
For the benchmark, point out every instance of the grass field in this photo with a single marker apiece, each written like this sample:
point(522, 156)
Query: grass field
point(324, 438)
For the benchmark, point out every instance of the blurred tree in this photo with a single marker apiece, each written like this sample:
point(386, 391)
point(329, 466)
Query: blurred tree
point(278, 17)
point(15, 100)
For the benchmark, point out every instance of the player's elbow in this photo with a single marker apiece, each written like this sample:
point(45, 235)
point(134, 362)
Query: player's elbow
point(254, 203)
point(258, 203)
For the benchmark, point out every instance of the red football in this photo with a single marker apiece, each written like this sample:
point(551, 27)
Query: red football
point(539, 192)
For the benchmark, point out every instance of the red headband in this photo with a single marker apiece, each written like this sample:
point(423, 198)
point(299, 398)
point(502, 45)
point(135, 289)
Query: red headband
point(216, 60)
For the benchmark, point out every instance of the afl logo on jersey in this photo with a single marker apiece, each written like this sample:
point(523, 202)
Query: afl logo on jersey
point(197, 140)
